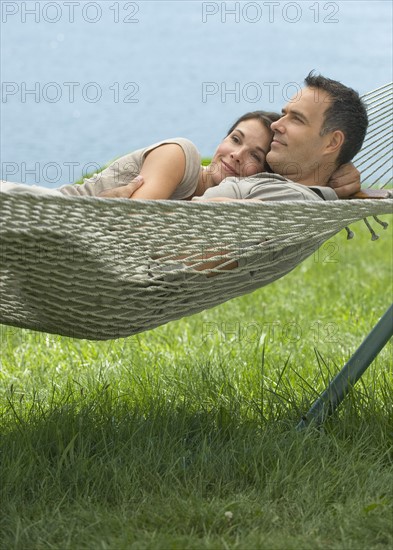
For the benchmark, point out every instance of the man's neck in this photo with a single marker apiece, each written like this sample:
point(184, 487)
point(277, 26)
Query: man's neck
point(318, 174)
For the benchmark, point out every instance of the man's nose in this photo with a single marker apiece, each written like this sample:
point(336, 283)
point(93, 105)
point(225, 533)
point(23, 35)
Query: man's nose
point(278, 125)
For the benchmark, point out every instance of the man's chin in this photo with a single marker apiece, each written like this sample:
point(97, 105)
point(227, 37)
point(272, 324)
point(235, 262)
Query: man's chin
point(276, 165)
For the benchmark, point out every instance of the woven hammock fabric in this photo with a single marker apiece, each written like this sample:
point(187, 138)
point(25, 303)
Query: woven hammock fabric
point(102, 269)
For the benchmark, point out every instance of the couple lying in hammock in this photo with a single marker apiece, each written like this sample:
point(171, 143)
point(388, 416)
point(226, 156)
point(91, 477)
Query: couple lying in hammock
point(304, 154)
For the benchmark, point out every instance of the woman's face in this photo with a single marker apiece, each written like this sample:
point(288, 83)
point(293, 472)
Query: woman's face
point(242, 153)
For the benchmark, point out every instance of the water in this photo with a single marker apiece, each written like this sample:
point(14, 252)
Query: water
point(109, 77)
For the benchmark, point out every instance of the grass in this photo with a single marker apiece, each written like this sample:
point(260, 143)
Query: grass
point(183, 437)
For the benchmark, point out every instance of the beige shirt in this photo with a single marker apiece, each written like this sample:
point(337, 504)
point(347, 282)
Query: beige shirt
point(268, 187)
point(126, 168)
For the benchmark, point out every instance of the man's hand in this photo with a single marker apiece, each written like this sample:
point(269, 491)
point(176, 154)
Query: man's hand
point(124, 191)
point(345, 181)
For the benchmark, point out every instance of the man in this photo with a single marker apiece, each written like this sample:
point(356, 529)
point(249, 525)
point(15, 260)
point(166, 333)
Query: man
point(321, 129)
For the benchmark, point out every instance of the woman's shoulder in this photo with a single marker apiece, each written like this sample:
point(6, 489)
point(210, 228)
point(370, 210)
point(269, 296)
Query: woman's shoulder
point(190, 150)
point(185, 143)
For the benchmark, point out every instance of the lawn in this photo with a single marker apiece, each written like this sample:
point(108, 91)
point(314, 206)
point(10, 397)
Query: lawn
point(184, 437)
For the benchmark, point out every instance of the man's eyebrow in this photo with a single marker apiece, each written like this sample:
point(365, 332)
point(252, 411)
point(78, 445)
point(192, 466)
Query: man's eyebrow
point(257, 147)
point(296, 113)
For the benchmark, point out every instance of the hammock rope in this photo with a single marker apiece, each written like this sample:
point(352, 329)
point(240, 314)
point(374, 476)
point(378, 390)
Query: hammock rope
point(102, 269)
point(375, 159)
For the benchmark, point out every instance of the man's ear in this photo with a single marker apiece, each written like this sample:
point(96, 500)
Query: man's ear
point(336, 140)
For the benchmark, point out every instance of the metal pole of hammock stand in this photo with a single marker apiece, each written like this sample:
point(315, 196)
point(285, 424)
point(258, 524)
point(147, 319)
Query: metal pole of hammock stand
point(351, 372)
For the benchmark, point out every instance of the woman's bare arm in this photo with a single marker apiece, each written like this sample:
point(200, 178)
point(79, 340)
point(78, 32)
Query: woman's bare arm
point(162, 172)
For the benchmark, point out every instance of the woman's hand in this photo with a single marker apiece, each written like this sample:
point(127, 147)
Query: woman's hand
point(124, 191)
point(345, 181)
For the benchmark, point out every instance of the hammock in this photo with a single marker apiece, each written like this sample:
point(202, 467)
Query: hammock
point(102, 269)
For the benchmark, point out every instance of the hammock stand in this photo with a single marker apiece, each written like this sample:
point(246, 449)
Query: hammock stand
point(351, 372)
point(375, 163)
point(102, 269)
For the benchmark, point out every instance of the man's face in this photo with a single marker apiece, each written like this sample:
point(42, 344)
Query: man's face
point(297, 147)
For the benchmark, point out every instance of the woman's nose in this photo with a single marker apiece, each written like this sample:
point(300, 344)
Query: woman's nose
point(236, 155)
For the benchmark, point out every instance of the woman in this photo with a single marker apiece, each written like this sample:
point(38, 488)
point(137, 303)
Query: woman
point(172, 169)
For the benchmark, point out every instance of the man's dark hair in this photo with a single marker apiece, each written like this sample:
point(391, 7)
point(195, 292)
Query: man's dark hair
point(347, 113)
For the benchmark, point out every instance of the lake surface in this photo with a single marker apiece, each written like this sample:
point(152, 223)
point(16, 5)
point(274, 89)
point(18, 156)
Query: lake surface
point(84, 82)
